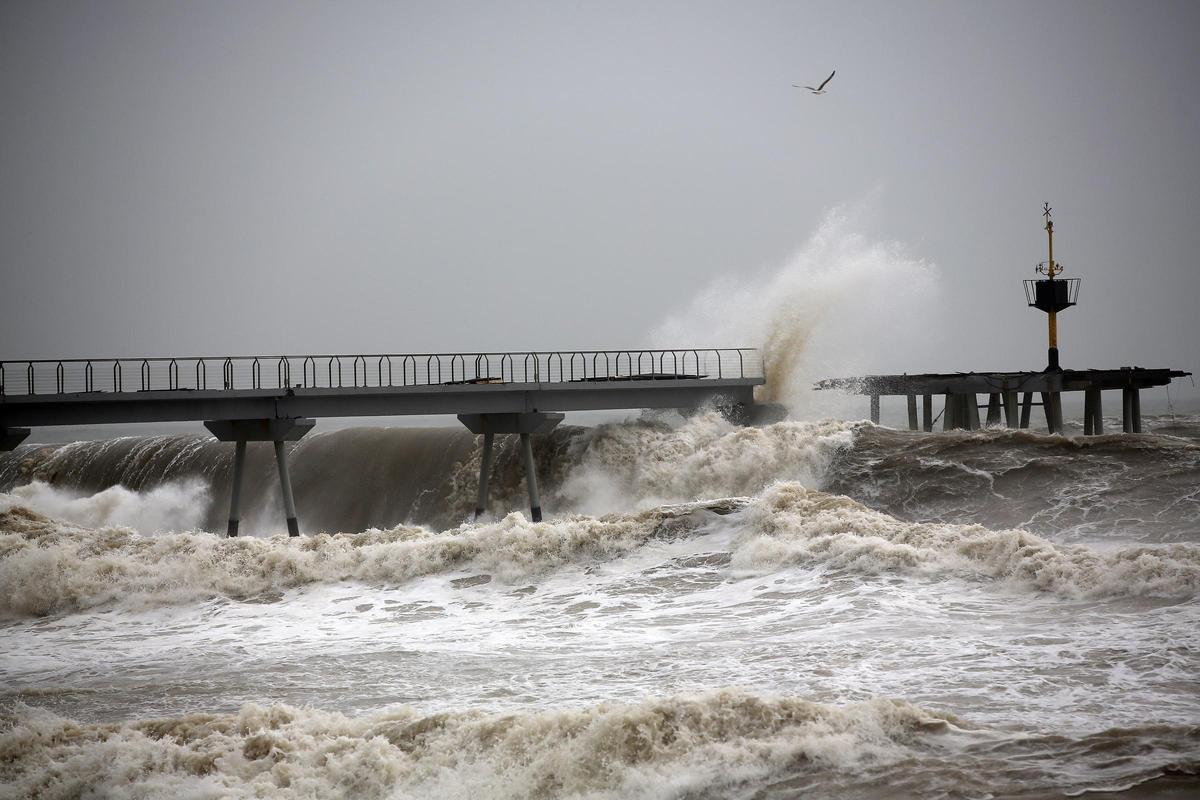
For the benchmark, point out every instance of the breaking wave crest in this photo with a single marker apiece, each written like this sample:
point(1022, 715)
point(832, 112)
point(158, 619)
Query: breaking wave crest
point(48, 566)
point(790, 524)
point(703, 745)
point(646, 464)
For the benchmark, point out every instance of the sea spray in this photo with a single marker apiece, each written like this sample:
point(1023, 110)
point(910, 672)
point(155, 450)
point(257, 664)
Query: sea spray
point(178, 506)
point(645, 463)
point(830, 310)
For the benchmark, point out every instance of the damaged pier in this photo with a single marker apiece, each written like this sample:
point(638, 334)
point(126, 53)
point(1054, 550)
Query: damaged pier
point(1010, 396)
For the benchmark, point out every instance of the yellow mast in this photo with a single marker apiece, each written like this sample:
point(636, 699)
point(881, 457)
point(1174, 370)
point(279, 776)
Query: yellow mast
point(1053, 315)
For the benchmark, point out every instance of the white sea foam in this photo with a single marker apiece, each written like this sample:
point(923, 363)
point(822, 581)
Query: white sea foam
point(177, 506)
point(790, 524)
point(638, 465)
point(670, 747)
point(47, 566)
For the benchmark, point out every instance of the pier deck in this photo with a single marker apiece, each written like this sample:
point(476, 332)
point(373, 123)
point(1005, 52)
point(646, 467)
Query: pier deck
point(960, 391)
point(275, 398)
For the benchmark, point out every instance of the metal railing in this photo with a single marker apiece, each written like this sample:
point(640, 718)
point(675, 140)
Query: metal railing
point(234, 373)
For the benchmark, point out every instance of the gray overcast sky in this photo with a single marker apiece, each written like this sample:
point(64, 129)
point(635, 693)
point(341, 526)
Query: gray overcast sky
point(235, 177)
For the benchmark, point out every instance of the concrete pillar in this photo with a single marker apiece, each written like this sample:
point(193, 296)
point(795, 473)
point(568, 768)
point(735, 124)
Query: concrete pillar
point(1127, 410)
point(1093, 414)
point(1010, 409)
point(1052, 405)
point(927, 412)
point(285, 483)
point(485, 467)
point(993, 410)
point(1136, 398)
point(971, 411)
point(1026, 409)
point(949, 412)
point(235, 490)
point(535, 503)
point(875, 408)
point(912, 412)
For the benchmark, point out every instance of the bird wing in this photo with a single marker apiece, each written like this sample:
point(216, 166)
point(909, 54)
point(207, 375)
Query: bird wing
point(811, 89)
point(827, 80)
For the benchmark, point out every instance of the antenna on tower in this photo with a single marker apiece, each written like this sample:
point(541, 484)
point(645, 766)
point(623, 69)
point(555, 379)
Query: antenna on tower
point(1051, 294)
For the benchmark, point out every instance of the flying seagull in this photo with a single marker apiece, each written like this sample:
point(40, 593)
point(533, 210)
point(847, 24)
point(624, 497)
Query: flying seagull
point(820, 89)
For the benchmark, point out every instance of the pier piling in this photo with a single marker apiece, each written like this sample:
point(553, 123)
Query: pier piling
point(235, 491)
point(875, 408)
point(1010, 409)
point(1026, 409)
point(971, 411)
point(912, 412)
point(285, 484)
point(485, 466)
point(1093, 415)
point(272, 429)
point(535, 503)
point(993, 409)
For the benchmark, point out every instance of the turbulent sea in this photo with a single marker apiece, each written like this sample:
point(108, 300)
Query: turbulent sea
point(803, 609)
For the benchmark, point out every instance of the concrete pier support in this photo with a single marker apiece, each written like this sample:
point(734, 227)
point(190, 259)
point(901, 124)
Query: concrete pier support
point(971, 411)
point(1052, 405)
point(912, 412)
point(485, 467)
point(1093, 415)
point(524, 423)
point(1026, 409)
point(277, 430)
point(1010, 409)
point(285, 484)
point(235, 490)
point(950, 413)
point(875, 408)
point(535, 502)
point(1131, 410)
point(927, 412)
point(993, 409)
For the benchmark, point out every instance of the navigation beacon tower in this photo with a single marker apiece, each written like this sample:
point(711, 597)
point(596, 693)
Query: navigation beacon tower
point(1051, 294)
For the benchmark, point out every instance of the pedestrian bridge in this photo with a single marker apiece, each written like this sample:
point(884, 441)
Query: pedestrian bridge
point(277, 398)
